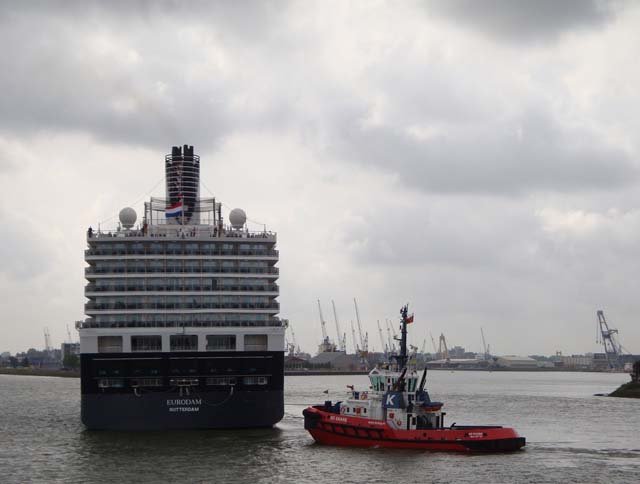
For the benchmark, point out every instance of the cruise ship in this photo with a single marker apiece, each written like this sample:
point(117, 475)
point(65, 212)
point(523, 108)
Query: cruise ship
point(182, 327)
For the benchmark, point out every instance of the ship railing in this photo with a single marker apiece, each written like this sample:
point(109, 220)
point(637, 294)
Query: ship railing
point(88, 324)
point(146, 348)
point(152, 270)
point(139, 288)
point(177, 306)
point(199, 253)
point(163, 230)
point(110, 349)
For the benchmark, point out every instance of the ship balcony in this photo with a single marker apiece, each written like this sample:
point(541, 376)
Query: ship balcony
point(89, 323)
point(267, 290)
point(186, 272)
point(164, 232)
point(183, 256)
point(186, 252)
point(93, 307)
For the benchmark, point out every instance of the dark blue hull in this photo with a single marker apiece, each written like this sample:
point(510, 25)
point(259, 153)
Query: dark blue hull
point(189, 390)
point(212, 410)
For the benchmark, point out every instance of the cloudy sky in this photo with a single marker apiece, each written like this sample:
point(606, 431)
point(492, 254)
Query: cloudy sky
point(476, 159)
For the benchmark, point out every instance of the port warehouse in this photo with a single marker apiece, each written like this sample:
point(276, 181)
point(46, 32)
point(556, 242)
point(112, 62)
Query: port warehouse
point(341, 361)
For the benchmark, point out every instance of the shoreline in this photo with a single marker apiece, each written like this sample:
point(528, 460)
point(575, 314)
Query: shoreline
point(76, 374)
point(40, 372)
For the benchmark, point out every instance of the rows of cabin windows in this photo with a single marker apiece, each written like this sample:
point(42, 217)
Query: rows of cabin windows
point(181, 266)
point(213, 381)
point(182, 342)
point(181, 302)
point(181, 284)
point(180, 248)
point(178, 320)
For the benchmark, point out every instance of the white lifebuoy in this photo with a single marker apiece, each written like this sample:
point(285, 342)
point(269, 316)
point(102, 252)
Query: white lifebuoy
point(364, 396)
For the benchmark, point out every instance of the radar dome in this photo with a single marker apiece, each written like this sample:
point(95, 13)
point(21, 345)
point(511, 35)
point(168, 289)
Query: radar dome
point(237, 217)
point(128, 217)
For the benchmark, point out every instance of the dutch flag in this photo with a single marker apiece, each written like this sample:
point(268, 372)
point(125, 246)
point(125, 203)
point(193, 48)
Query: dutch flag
point(174, 210)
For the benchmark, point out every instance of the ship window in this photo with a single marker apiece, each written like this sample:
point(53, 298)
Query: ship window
point(255, 380)
point(184, 342)
point(221, 342)
point(111, 383)
point(145, 368)
point(146, 343)
point(221, 380)
point(146, 382)
point(255, 342)
point(109, 344)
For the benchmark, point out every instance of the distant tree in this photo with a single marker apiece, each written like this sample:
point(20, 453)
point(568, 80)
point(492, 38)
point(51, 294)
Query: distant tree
point(71, 361)
point(25, 362)
point(13, 362)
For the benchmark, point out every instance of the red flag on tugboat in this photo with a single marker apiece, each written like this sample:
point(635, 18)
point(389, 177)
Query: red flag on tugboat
point(410, 319)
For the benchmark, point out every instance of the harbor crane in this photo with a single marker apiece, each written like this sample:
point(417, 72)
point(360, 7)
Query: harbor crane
point(326, 344)
point(390, 331)
point(342, 339)
point(384, 346)
point(293, 346)
point(362, 342)
point(356, 348)
point(47, 341)
point(608, 337)
point(485, 346)
point(443, 351)
point(433, 342)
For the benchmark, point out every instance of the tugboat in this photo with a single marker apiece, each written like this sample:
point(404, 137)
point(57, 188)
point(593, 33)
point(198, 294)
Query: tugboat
point(397, 412)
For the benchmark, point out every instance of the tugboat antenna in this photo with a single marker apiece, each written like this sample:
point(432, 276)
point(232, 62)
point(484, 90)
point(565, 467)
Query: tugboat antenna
point(402, 357)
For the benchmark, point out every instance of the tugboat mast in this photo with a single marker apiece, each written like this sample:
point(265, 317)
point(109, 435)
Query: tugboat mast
point(402, 358)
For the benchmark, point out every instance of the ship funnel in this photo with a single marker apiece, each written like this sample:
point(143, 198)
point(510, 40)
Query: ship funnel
point(182, 174)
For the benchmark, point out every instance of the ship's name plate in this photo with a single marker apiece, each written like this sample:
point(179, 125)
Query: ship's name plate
point(184, 404)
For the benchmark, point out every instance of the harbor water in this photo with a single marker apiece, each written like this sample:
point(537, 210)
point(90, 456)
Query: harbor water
point(572, 437)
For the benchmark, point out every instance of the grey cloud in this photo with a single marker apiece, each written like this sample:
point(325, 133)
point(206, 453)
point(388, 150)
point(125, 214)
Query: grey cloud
point(465, 232)
point(119, 80)
point(526, 21)
point(23, 256)
point(507, 157)
point(7, 162)
point(473, 259)
point(132, 73)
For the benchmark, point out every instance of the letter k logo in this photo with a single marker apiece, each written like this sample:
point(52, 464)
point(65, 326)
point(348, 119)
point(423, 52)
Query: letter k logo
point(390, 401)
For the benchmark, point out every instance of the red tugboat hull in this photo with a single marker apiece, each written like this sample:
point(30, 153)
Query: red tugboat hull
point(334, 429)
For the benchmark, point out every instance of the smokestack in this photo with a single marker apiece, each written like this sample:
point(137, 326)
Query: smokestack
point(182, 174)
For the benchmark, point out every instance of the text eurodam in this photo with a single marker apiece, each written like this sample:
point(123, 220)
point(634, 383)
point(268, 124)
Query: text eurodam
point(184, 405)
